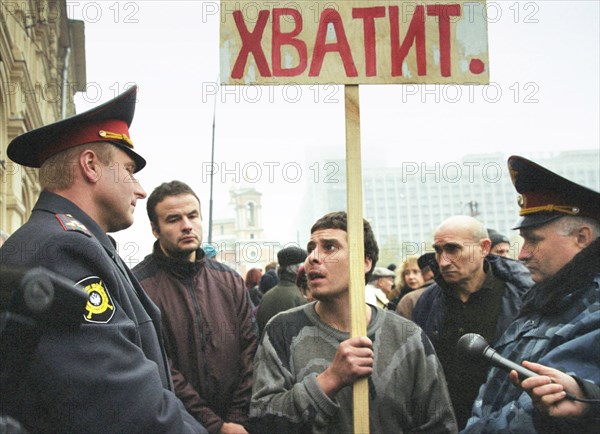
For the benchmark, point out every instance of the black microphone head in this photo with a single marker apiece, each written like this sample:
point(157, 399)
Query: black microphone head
point(41, 295)
point(472, 345)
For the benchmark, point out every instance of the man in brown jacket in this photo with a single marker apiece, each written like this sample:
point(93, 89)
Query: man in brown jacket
point(206, 316)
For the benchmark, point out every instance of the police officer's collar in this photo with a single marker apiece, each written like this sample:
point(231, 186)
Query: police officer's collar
point(551, 295)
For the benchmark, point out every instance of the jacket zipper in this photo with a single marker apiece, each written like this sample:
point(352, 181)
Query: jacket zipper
point(190, 288)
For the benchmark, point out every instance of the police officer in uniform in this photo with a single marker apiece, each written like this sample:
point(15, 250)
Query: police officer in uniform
point(110, 373)
point(559, 322)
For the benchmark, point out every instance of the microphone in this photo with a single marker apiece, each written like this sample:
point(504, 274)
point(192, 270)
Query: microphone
point(41, 295)
point(476, 347)
point(32, 300)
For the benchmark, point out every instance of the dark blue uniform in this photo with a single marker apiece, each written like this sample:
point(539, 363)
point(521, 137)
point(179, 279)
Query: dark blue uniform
point(110, 374)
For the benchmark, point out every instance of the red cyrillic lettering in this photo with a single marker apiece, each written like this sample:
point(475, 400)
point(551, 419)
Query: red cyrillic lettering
point(368, 16)
point(444, 12)
point(414, 34)
point(331, 16)
point(280, 39)
point(251, 43)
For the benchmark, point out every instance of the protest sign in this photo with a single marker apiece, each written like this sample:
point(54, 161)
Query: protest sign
point(353, 42)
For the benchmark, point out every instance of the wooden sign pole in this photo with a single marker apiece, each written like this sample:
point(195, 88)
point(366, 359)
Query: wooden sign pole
point(357, 249)
point(287, 45)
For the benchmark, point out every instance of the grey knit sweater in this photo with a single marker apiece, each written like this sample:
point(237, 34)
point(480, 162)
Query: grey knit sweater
point(407, 390)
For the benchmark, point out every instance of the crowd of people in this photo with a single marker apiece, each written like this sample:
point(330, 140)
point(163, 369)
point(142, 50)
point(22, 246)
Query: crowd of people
point(182, 343)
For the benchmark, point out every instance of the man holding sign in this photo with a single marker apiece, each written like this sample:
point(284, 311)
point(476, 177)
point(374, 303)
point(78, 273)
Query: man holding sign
point(306, 363)
point(352, 43)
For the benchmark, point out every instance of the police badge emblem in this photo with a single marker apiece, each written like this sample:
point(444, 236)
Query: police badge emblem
point(100, 307)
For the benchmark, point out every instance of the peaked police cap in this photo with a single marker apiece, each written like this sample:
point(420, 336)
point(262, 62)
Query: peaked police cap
point(546, 196)
point(108, 122)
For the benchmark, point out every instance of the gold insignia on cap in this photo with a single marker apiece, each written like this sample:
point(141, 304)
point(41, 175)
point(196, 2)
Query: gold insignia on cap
point(564, 209)
point(116, 136)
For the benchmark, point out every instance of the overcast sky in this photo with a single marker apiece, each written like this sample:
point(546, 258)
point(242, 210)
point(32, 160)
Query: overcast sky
point(544, 69)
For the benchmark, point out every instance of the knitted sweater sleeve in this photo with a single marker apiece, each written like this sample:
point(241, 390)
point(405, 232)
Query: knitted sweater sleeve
point(279, 403)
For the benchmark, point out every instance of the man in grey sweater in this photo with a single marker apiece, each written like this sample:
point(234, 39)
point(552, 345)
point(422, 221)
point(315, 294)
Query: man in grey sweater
point(306, 362)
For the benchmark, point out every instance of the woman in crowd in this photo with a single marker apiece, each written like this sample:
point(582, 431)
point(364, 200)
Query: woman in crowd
point(409, 280)
point(252, 279)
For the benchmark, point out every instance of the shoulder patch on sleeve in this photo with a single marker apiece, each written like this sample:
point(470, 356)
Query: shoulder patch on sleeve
point(70, 223)
point(100, 307)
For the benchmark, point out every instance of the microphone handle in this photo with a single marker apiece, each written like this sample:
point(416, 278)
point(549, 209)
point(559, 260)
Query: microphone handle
point(507, 365)
point(500, 362)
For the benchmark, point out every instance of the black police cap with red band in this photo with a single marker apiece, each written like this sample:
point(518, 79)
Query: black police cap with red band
point(108, 122)
point(546, 196)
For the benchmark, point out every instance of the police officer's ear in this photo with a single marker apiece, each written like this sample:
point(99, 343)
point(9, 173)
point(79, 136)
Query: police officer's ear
point(584, 236)
point(90, 166)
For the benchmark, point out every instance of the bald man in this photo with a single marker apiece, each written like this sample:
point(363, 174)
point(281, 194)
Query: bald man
point(475, 292)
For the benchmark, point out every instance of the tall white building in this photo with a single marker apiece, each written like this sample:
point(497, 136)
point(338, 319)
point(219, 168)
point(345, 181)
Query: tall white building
point(404, 204)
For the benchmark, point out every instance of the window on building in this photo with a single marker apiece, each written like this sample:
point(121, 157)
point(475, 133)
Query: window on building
point(250, 210)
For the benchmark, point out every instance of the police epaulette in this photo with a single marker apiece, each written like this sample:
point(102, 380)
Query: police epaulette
point(69, 223)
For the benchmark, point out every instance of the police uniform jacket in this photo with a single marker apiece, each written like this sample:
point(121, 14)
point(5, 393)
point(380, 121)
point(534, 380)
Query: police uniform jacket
point(559, 326)
point(108, 374)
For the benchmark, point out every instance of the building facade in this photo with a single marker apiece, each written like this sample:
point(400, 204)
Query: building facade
point(240, 241)
point(42, 65)
point(405, 204)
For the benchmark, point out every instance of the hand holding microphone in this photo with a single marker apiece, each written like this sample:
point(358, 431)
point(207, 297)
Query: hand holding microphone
point(476, 347)
point(548, 391)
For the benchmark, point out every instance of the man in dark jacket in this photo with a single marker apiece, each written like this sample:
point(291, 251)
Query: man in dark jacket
point(475, 292)
point(206, 315)
point(110, 373)
point(285, 295)
point(559, 322)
